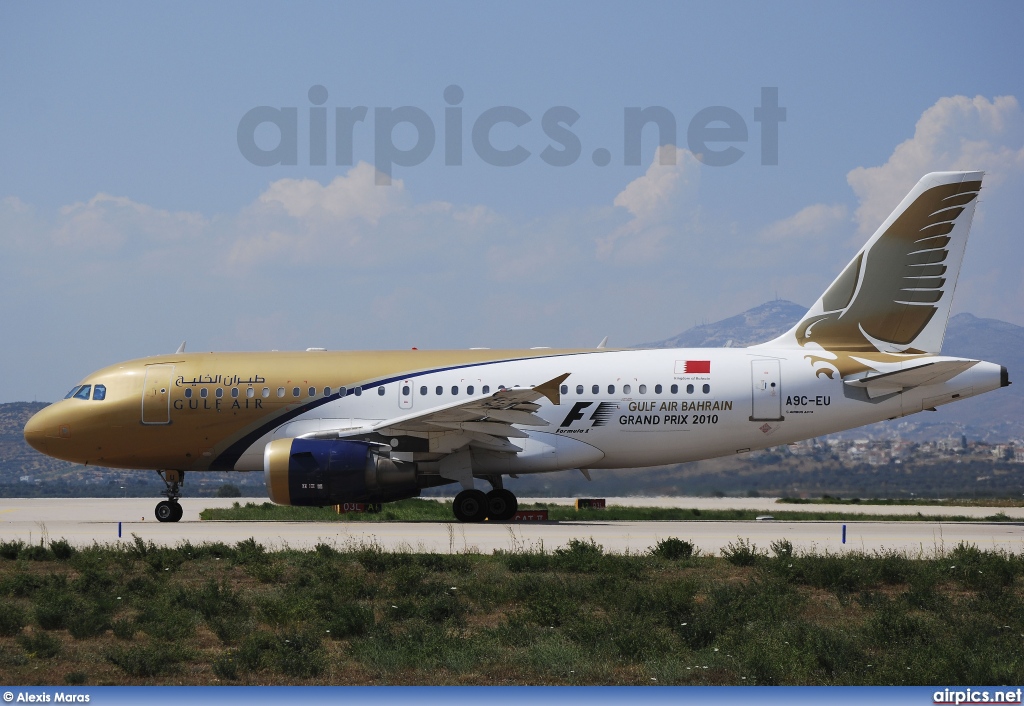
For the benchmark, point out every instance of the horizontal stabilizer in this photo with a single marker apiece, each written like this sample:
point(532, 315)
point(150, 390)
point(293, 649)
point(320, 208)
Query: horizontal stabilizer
point(925, 374)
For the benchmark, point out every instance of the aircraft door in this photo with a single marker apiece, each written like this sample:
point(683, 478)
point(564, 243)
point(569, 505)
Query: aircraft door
point(766, 393)
point(405, 392)
point(156, 394)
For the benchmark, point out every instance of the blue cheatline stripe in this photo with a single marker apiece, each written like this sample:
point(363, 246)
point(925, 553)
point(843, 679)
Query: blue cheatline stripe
point(497, 696)
point(226, 461)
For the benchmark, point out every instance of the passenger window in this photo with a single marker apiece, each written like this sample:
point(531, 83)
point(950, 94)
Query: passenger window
point(423, 391)
point(455, 389)
point(100, 392)
point(359, 391)
point(219, 392)
point(312, 392)
point(626, 389)
point(342, 391)
point(188, 393)
point(250, 392)
point(327, 392)
point(689, 389)
point(83, 392)
point(469, 390)
point(565, 390)
point(579, 389)
point(642, 389)
point(280, 392)
point(296, 392)
point(234, 392)
point(266, 392)
point(611, 389)
point(707, 389)
point(406, 390)
point(72, 393)
point(439, 391)
point(380, 390)
point(486, 390)
point(657, 389)
point(203, 393)
point(674, 389)
point(595, 389)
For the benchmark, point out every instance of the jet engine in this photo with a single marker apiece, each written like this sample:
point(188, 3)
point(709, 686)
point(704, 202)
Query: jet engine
point(329, 472)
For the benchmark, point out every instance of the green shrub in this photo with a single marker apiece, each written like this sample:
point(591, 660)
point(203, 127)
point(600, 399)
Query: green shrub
point(673, 549)
point(145, 660)
point(226, 666)
point(41, 644)
point(300, 654)
point(527, 561)
point(349, 620)
point(10, 550)
point(782, 548)
point(88, 623)
point(12, 618)
point(75, 678)
point(124, 628)
point(579, 556)
point(62, 549)
point(36, 552)
point(55, 608)
point(741, 552)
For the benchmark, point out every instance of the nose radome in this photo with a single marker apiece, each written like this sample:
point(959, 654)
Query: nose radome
point(35, 430)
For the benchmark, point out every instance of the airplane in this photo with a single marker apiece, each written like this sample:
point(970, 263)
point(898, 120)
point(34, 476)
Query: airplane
point(328, 428)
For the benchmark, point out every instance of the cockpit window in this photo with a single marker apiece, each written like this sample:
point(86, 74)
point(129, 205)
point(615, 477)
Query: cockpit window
point(72, 393)
point(83, 392)
point(100, 392)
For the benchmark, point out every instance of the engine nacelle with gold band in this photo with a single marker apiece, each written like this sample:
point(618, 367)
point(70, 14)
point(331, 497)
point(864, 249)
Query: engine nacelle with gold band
point(328, 472)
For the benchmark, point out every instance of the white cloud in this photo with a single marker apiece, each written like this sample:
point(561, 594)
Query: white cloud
point(350, 197)
point(654, 202)
point(814, 220)
point(956, 133)
point(111, 222)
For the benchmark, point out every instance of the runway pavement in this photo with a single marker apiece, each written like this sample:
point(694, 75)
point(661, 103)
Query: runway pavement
point(85, 521)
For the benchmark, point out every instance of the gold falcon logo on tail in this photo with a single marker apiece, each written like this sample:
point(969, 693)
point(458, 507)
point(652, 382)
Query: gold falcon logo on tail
point(894, 298)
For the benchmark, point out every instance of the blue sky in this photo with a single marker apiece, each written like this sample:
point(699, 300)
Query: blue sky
point(130, 219)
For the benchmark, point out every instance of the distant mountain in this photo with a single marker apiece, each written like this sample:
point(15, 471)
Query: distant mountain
point(997, 416)
point(757, 325)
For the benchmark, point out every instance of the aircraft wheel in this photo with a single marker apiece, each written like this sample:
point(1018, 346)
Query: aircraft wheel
point(501, 505)
point(470, 506)
point(165, 511)
point(178, 512)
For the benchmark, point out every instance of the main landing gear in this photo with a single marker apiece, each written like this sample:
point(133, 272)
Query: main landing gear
point(169, 510)
point(499, 505)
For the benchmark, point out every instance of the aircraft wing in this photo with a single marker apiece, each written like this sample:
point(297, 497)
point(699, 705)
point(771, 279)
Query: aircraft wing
point(484, 421)
point(931, 373)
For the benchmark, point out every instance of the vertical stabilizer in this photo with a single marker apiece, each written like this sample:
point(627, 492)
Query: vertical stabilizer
point(895, 295)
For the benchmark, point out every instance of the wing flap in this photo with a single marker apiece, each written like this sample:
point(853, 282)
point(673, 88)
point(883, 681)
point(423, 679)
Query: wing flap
point(485, 421)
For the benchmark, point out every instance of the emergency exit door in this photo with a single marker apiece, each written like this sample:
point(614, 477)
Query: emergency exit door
point(766, 393)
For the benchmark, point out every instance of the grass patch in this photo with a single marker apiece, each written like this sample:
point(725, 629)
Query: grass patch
point(421, 510)
point(199, 614)
point(927, 502)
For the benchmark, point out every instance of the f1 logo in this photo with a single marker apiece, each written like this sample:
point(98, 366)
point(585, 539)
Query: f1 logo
point(576, 413)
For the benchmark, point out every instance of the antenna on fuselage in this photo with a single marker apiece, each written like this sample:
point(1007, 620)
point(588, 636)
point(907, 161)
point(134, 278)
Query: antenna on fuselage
point(181, 348)
point(603, 343)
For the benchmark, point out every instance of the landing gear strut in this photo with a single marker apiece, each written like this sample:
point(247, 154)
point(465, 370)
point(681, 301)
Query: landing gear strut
point(169, 510)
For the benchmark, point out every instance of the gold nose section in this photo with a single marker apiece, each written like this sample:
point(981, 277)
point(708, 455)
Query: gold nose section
point(44, 428)
point(34, 434)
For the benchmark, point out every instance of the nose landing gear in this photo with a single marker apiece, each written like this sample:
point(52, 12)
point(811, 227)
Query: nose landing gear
point(169, 510)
